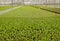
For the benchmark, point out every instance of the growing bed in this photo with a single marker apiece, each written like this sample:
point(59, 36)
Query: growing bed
point(52, 9)
point(29, 24)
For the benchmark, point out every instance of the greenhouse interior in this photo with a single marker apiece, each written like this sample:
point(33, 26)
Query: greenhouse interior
point(29, 20)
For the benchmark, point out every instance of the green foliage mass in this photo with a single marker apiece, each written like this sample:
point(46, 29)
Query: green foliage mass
point(29, 24)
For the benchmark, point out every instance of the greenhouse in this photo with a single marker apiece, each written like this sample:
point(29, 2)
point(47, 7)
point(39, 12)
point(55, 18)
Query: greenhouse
point(29, 20)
